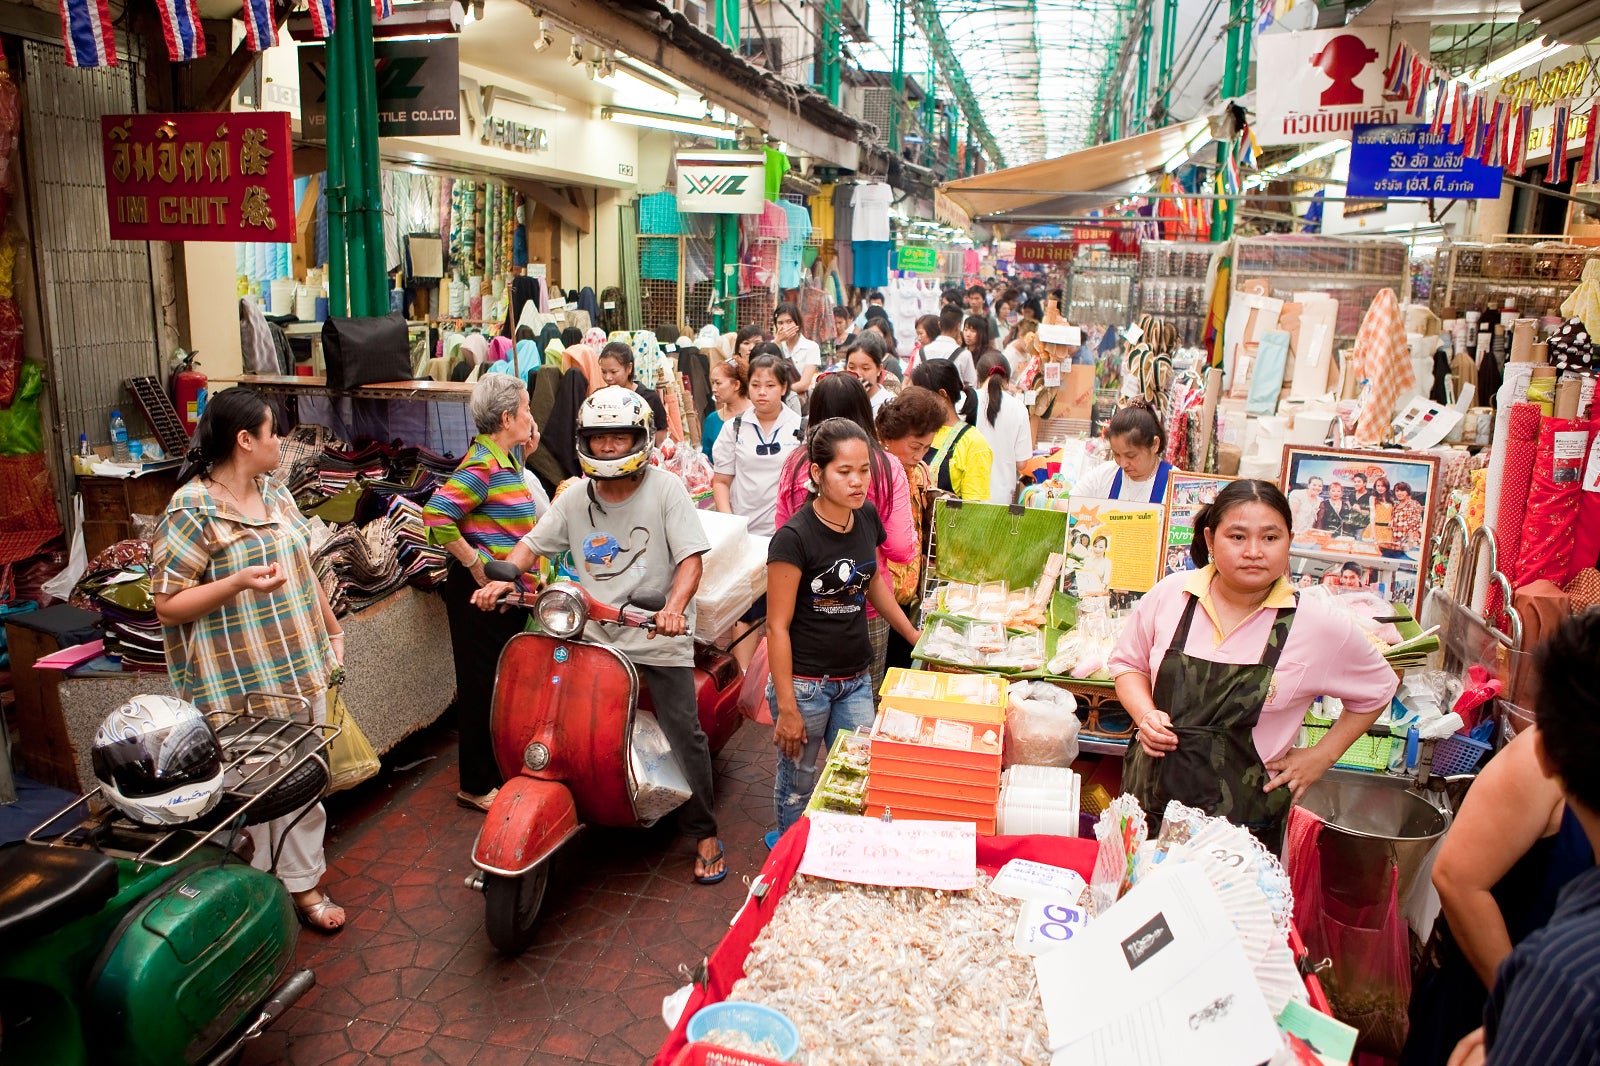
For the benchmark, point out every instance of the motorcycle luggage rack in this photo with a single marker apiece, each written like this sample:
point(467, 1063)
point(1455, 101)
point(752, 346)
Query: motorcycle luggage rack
point(263, 730)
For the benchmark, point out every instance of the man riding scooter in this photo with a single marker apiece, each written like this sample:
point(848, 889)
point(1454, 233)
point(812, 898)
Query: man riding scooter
point(629, 527)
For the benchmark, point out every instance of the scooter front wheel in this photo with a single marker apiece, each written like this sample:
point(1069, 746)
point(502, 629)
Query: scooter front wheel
point(512, 907)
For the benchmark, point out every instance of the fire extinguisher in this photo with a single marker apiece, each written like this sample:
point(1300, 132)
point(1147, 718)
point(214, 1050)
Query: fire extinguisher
point(188, 391)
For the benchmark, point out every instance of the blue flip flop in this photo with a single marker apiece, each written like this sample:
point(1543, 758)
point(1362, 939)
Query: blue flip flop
point(718, 857)
point(771, 839)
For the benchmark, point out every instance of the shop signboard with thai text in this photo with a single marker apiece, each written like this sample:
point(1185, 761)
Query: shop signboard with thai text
point(1045, 251)
point(918, 260)
point(721, 183)
point(1569, 74)
point(1408, 160)
point(419, 89)
point(1324, 84)
point(205, 176)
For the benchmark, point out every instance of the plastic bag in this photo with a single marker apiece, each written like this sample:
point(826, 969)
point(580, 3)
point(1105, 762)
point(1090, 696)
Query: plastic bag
point(753, 691)
point(662, 785)
point(21, 432)
point(62, 584)
point(688, 463)
point(1041, 725)
point(351, 758)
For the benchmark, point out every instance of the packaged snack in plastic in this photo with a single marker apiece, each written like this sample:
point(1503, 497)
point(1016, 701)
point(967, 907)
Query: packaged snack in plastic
point(1041, 725)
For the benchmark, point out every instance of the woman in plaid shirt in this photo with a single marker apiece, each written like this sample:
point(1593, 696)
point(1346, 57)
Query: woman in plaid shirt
point(242, 611)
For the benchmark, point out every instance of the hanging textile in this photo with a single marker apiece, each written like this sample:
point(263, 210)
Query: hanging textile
point(1384, 360)
point(1553, 499)
point(793, 246)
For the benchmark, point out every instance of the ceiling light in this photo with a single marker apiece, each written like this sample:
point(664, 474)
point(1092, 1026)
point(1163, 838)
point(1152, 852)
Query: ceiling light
point(1513, 61)
point(575, 56)
point(671, 123)
point(544, 40)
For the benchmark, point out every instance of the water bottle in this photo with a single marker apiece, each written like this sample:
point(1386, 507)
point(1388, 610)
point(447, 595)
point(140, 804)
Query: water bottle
point(119, 438)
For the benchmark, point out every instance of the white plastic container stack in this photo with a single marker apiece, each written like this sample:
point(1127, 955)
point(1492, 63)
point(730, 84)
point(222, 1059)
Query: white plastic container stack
point(734, 573)
point(1039, 799)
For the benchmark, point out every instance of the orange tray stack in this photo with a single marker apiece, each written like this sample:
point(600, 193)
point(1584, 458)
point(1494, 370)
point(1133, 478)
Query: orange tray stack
point(936, 747)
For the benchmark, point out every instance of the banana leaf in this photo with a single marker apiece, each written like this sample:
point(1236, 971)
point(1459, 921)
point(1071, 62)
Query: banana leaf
point(992, 542)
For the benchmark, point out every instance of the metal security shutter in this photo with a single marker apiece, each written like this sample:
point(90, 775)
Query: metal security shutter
point(96, 294)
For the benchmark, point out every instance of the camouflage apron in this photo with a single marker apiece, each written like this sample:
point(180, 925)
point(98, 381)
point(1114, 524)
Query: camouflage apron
point(1214, 708)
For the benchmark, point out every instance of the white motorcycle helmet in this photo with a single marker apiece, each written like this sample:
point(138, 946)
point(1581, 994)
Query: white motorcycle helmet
point(158, 761)
point(614, 409)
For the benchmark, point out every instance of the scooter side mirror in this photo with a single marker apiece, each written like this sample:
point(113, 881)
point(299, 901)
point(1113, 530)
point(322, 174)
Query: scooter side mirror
point(499, 570)
point(651, 600)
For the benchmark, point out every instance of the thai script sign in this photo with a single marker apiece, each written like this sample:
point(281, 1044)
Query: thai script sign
point(1323, 84)
point(1405, 159)
point(205, 176)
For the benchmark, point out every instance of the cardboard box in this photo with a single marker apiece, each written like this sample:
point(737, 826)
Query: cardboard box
point(895, 766)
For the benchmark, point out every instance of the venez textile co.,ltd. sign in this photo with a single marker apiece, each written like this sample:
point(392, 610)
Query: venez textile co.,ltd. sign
point(203, 176)
point(721, 183)
point(419, 89)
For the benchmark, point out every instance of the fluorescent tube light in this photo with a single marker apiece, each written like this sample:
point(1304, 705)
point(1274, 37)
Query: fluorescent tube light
point(1513, 61)
point(671, 123)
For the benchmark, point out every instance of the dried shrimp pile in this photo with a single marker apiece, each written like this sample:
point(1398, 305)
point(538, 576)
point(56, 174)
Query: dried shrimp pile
point(894, 975)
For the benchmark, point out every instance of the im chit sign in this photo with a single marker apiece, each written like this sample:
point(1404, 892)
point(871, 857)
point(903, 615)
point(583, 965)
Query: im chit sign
point(204, 176)
point(721, 183)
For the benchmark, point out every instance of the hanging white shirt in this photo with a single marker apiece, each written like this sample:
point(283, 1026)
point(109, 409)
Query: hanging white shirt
point(869, 212)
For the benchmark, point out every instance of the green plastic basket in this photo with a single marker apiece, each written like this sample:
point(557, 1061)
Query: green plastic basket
point(1367, 753)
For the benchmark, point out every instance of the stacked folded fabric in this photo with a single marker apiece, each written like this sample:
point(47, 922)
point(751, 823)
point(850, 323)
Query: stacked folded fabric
point(366, 562)
point(422, 563)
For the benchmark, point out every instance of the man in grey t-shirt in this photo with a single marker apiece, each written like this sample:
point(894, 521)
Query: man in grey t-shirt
point(632, 526)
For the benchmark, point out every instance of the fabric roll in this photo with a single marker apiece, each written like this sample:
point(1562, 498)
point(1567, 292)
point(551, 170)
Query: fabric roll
point(1521, 450)
point(1548, 541)
point(1586, 541)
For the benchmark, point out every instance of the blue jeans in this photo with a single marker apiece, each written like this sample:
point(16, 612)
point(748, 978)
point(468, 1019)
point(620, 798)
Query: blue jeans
point(828, 706)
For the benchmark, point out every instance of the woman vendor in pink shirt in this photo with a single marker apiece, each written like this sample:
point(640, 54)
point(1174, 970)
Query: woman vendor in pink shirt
point(1217, 667)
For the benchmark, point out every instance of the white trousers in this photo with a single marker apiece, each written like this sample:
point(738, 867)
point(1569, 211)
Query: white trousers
point(297, 844)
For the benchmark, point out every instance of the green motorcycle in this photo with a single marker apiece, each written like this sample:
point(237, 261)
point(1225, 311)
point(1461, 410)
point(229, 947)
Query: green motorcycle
point(161, 946)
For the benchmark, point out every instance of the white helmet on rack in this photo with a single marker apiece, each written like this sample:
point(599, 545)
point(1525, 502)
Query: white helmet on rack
point(158, 761)
point(614, 409)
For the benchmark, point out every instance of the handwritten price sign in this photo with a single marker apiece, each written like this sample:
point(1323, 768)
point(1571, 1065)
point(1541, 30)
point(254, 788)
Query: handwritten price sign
point(1046, 924)
point(900, 854)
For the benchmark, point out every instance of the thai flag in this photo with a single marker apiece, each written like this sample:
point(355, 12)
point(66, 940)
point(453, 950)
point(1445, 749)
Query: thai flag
point(1493, 136)
point(1558, 144)
point(1441, 100)
point(86, 33)
point(382, 9)
point(1518, 160)
point(180, 23)
point(1417, 81)
point(1394, 79)
point(260, 32)
point(1475, 127)
point(321, 18)
point(1458, 114)
point(1589, 161)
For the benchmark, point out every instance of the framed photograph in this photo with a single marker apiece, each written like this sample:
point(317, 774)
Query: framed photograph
point(1186, 494)
point(1360, 518)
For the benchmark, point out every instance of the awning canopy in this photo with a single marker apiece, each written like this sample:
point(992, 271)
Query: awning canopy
point(1073, 183)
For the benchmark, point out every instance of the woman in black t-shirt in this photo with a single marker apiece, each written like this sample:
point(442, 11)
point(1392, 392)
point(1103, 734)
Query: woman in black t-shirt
point(822, 569)
point(616, 367)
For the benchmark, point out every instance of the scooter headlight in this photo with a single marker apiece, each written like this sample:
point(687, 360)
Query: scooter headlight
point(561, 612)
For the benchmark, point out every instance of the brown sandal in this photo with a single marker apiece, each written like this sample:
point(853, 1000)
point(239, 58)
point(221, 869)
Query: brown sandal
point(311, 916)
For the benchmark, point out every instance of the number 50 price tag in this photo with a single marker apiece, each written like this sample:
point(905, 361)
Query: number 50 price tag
point(1045, 924)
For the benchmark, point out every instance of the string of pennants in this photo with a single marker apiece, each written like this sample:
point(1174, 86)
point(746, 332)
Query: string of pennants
point(1496, 134)
point(87, 33)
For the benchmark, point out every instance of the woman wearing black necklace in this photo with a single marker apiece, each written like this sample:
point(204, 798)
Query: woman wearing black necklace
point(822, 569)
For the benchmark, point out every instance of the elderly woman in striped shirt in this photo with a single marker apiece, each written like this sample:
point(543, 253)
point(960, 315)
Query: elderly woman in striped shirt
point(479, 515)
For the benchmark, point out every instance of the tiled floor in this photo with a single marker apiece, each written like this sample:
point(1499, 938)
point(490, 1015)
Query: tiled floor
point(413, 978)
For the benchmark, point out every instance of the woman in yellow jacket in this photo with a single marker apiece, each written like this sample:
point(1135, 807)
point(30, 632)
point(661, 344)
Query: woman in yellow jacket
point(960, 459)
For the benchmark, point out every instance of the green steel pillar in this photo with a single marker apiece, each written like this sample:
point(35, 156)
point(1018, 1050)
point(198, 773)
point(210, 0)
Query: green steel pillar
point(1141, 90)
point(369, 193)
point(832, 47)
point(344, 96)
point(898, 81)
point(1238, 45)
point(725, 240)
point(1169, 29)
point(338, 285)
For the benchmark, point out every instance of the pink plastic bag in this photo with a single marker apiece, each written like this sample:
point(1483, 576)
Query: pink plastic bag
point(753, 693)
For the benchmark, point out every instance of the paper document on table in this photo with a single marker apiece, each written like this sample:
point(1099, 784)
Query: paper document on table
point(1148, 940)
point(1213, 1014)
point(1025, 879)
point(903, 853)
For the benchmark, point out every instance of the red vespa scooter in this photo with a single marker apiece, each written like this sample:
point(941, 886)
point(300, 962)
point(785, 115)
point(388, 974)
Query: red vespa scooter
point(562, 722)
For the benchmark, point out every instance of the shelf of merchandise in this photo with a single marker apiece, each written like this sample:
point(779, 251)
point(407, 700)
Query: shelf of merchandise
point(1351, 270)
point(1538, 276)
point(1172, 284)
point(1101, 290)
